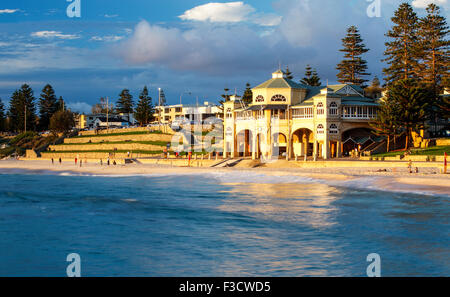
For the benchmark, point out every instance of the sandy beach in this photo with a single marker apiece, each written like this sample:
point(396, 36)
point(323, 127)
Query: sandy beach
point(428, 181)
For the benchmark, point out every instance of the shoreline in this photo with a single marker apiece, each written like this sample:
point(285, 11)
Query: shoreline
point(398, 180)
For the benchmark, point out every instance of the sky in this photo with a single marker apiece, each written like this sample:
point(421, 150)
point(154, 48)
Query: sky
point(189, 48)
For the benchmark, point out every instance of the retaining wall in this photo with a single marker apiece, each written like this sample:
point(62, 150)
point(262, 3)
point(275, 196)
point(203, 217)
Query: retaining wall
point(137, 137)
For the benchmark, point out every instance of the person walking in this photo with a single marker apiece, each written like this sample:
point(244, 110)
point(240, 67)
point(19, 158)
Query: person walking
point(81, 163)
point(60, 161)
point(101, 162)
point(76, 161)
point(53, 161)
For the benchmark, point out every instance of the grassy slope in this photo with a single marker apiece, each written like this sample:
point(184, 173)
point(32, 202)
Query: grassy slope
point(432, 151)
point(104, 151)
point(158, 143)
point(120, 134)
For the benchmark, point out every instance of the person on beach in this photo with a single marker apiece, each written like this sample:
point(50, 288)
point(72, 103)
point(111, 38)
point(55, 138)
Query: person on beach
point(101, 162)
point(81, 163)
point(114, 163)
point(76, 161)
point(53, 161)
point(107, 161)
point(60, 161)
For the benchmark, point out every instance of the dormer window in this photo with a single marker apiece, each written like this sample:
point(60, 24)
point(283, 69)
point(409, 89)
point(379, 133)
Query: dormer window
point(278, 98)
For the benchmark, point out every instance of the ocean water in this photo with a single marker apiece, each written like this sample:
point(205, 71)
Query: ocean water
point(228, 224)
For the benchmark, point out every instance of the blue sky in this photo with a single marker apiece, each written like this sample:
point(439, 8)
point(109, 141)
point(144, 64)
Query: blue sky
point(178, 45)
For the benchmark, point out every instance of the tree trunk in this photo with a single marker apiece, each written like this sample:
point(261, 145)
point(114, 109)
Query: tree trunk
point(407, 140)
point(388, 143)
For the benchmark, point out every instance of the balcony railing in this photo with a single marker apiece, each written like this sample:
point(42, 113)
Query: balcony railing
point(359, 112)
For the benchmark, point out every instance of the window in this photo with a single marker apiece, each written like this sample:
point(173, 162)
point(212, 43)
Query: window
point(259, 98)
point(320, 109)
point(320, 129)
point(229, 113)
point(167, 110)
point(178, 109)
point(334, 129)
point(278, 98)
point(333, 108)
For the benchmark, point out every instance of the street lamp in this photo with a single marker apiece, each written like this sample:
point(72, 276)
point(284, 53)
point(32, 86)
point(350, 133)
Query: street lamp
point(159, 106)
point(181, 95)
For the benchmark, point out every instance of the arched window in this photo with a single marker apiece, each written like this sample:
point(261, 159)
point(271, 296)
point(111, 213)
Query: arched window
point(259, 98)
point(333, 108)
point(320, 108)
point(320, 129)
point(278, 98)
point(334, 129)
point(229, 113)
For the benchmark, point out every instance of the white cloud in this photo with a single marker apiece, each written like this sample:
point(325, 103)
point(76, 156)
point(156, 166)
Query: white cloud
point(81, 107)
point(54, 34)
point(108, 38)
point(230, 12)
point(8, 11)
point(110, 15)
point(267, 20)
point(425, 3)
point(205, 48)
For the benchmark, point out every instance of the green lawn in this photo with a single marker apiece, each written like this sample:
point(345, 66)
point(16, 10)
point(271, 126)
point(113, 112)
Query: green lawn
point(158, 143)
point(432, 151)
point(105, 151)
point(120, 134)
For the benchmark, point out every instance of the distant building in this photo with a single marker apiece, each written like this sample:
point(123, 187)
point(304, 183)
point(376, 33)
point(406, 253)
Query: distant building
point(90, 121)
point(190, 112)
point(113, 122)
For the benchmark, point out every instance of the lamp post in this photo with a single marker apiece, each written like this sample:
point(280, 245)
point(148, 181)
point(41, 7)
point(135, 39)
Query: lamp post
point(159, 107)
point(181, 95)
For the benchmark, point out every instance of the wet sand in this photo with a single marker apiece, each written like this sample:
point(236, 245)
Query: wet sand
point(428, 180)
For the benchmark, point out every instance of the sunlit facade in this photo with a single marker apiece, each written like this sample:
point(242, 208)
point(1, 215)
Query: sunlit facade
point(290, 119)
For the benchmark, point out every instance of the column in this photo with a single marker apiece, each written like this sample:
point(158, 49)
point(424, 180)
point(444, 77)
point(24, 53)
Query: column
point(254, 145)
point(338, 149)
point(233, 145)
point(326, 149)
point(315, 148)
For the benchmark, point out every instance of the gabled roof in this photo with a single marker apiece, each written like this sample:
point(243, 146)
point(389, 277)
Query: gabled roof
point(339, 87)
point(280, 83)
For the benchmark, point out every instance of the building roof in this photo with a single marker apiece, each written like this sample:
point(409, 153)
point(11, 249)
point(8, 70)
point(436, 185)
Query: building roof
point(280, 83)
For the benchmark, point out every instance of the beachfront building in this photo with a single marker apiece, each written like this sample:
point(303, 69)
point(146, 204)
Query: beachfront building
point(187, 112)
point(290, 119)
point(90, 121)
